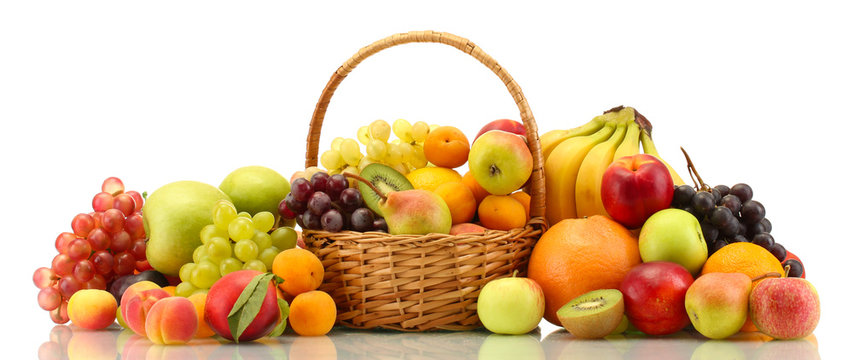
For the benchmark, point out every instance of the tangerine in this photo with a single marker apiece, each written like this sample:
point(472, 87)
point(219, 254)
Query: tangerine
point(446, 146)
point(459, 200)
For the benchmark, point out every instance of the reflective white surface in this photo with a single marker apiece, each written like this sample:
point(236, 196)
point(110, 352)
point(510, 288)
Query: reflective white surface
point(70, 342)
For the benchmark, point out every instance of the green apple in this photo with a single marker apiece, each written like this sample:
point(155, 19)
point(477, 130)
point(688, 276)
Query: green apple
point(674, 235)
point(511, 305)
point(173, 216)
point(500, 162)
point(255, 188)
point(718, 303)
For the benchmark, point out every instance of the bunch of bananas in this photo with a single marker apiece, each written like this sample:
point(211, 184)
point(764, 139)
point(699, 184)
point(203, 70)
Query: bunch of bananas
point(575, 161)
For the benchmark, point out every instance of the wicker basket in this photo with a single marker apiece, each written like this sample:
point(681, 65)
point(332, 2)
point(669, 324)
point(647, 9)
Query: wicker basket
point(421, 282)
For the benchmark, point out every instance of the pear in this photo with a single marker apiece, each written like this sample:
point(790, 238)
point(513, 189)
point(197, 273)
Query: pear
point(718, 303)
point(417, 212)
point(173, 216)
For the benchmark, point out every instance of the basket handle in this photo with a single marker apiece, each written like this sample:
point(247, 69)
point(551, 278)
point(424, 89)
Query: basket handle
point(537, 183)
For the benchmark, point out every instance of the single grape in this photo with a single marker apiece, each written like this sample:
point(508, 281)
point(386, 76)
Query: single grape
point(284, 238)
point(229, 265)
point(124, 263)
point(246, 250)
point(100, 239)
point(767, 225)
point(104, 262)
point(716, 245)
point(263, 221)
point(703, 202)
point(268, 255)
point(63, 240)
point(199, 254)
point(764, 240)
point(62, 264)
point(351, 199)
point(49, 298)
point(311, 221)
point(218, 249)
point(796, 269)
point(84, 270)
point(332, 221)
point(134, 226)
point(699, 216)
point(284, 211)
point(683, 196)
point(319, 203)
point(300, 222)
point(723, 189)
point(137, 249)
point(185, 289)
point(125, 203)
point(376, 149)
point(43, 277)
point(79, 249)
point(241, 228)
point(721, 215)
point(319, 181)
point(738, 238)
point(779, 251)
point(186, 271)
point(211, 231)
point(204, 275)
point(710, 232)
point(406, 152)
point(98, 217)
point(245, 214)
point(68, 285)
point(137, 199)
point(752, 211)
point(380, 130)
point(82, 224)
point(742, 191)
point(403, 130)
point(335, 185)
point(380, 225)
point(393, 154)
point(223, 213)
point(297, 206)
point(754, 229)
point(362, 220)
point(741, 228)
point(264, 240)
point(350, 151)
point(336, 143)
point(731, 202)
point(301, 190)
point(256, 265)
point(60, 314)
point(96, 282)
point(143, 265)
point(121, 241)
point(717, 196)
point(363, 135)
point(102, 201)
point(420, 130)
point(113, 186)
point(113, 220)
point(332, 159)
point(418, 157)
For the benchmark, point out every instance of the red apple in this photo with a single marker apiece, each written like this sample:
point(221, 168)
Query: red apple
point(654, 295)
point(635, 187)
point(784, 308)
point(507, 125)
point(221, 298)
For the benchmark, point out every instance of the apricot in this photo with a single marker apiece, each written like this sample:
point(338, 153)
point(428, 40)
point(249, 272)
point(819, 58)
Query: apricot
point(446, 146)
point(524, 199)
point(501, 212)
point(198, 301)
point(300, 269)
point(475, 187)
point(92, 309)
point(171, 320)
point(135, 310)
point(312, 313)
point(460, 200)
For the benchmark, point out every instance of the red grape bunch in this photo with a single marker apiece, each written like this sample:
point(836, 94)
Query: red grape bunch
point(103, 244)
point(328, 203)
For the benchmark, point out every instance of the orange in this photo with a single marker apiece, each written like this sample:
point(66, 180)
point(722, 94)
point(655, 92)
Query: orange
point(459, 199)
point(576, 256)
point(524, 199)
point(312, 313)
point(300, 269)
point(747, 258)
point(476, 189)
point(429, 178)
point(446, 146)
point(204, 330)
point(501, 212)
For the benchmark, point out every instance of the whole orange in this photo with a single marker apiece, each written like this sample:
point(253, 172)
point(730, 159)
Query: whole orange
point(459, 199)
point(476, 189)
point(446, 146)
point(576, 256)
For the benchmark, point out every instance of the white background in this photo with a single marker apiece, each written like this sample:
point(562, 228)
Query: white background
point(159, 91)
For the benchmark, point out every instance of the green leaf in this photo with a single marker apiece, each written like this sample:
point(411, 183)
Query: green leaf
point(248, 305)
point(284, 309)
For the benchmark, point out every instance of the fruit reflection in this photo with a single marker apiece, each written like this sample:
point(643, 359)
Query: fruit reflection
point(499, 346)
point(313, 348)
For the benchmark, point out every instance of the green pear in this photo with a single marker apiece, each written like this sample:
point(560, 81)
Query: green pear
point(415, 212)
point(173, 216)
point(718, 303)
point(255, 188)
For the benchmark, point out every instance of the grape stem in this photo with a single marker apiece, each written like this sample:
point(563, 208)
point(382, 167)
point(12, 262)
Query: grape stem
point(369, 184)
point(691, 169)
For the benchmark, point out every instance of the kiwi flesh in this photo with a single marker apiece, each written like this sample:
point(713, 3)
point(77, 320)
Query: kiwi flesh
point(593, 315)
point(385, 179)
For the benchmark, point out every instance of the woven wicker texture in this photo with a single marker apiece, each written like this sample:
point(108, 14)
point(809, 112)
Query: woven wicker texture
point(421, 282)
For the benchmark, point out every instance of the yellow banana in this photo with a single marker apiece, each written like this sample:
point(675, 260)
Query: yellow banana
point(588, 187)
point(561, 169)
point(649, 148)
point(631, 144)
point(551, 139)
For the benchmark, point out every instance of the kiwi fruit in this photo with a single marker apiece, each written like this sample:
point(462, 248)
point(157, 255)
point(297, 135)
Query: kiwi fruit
point(593, 315)
point(383, 178)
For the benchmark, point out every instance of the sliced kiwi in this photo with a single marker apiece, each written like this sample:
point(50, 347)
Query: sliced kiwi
point(385, 179)
point(593, 315)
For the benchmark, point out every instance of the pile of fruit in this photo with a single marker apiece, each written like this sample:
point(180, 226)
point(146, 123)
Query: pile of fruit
point(630, 246)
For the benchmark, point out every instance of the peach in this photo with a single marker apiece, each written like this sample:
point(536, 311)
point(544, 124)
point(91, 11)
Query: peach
point(134, 289)
point(221, 298)
point(171, 320)
point(136, 309)
point(507, 125)
point(312, 313)
point(466, 228)
point(198, 301)
point(92, 309)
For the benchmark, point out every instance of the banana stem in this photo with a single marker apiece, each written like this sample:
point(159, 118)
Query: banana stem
point(691, 169)
point(368, 183)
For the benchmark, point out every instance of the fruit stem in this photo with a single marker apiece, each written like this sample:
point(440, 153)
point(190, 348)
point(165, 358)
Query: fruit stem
point(515, 272)
point(368, 183)
point(767, 275)
point(691, 169)
point(787, 269)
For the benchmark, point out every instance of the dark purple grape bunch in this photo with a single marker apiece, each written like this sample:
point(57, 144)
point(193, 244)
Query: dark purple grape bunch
point(728, 215)
point(328, 203)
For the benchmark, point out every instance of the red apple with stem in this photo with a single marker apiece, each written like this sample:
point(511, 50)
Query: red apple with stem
point(785, 308)
point(635, 187)
point(654, 294)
